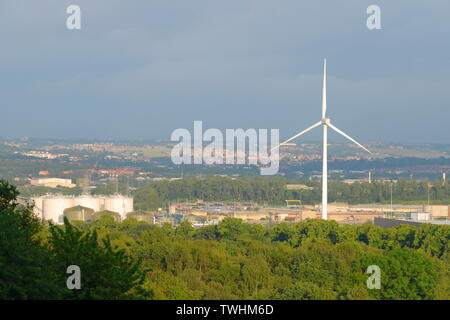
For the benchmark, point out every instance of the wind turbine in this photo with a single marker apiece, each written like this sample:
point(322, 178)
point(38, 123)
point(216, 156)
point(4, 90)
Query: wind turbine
point(325, 123)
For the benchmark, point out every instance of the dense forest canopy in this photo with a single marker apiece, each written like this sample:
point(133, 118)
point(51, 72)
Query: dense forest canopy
point(232, 260)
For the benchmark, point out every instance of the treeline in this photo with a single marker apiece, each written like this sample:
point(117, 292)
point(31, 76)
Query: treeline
point(232, 260)
point(273, 191)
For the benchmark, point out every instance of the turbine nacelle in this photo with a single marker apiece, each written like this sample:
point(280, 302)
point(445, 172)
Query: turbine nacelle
point(326, 121)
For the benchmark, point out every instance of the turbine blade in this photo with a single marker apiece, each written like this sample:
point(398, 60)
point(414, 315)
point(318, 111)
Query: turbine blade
point(298, 135)
point(348, 137)
point(324, 90)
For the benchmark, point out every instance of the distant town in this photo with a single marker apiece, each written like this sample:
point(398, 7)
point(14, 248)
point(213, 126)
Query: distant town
point(83, 180)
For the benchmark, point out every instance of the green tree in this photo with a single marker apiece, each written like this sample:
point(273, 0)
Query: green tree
point(105, 273)
point(24, 272)
point(406, 274)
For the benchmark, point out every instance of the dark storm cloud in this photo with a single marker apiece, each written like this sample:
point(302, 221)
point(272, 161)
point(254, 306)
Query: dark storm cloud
point(142, 69)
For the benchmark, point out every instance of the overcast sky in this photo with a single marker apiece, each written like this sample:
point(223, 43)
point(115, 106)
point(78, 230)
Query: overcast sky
point(140, 69)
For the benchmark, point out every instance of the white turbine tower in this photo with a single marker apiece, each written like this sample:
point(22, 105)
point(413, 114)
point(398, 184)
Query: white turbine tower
point(325, 122)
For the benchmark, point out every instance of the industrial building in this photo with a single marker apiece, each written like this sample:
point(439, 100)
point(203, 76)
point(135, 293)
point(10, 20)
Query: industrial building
point(340, 212)
point(389, 223)
point(53, 182)
point(51, 207)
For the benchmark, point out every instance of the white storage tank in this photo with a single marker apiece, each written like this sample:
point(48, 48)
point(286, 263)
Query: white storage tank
point(38, 205)
point(52, 207)
point(119, 204)
point(88, 202)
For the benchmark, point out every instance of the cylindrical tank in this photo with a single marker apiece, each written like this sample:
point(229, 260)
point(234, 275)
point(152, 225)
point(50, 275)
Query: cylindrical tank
point(38, 205)
point(78, 213)
point(140, 216)
point(89, 202)
point(119, 204)
point(116, 216)
point(53, 208)
point(129, 205)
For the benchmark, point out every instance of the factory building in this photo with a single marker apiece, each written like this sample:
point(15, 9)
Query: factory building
point(51, 207)
point(142, 216)
point(390, 223)
point(53, 182)
point(437, 212)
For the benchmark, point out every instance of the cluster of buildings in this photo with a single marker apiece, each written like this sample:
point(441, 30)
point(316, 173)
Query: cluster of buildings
point(43, 154)
point(85, 207)
point(433, 214)
point(53, 182)
point(88, 208)
point(200, 213)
